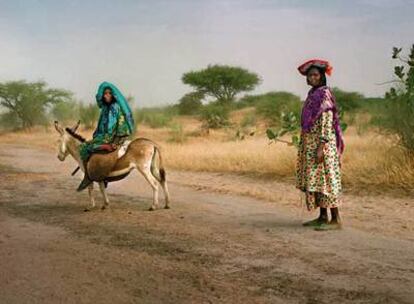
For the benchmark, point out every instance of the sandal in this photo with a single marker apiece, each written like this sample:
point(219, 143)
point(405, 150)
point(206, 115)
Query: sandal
point(328, 227)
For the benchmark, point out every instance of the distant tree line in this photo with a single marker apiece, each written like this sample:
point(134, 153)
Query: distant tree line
point(215, 92)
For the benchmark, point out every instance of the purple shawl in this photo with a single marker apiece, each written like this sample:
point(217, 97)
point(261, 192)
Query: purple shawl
point(321, 100)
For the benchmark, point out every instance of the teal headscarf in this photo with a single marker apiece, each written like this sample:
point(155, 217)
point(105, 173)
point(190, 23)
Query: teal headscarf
point(110, 113)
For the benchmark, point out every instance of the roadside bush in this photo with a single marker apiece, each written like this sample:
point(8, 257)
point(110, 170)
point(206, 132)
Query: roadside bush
point(177, 134)
point(190, 103)
point(155, 117)
point(248, 120)
point(272, 105)
point(215, 115)
point(9, 121)
point(88, 115)
point(65, 111)
point(397, 114)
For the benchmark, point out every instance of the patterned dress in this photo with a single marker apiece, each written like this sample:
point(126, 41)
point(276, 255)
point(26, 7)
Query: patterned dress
point(105, 134)
point(321, 182)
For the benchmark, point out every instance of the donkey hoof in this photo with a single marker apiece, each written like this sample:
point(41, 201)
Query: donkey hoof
point(167, 207)
point(104, 207)
point(86, 210)
point(151, 208)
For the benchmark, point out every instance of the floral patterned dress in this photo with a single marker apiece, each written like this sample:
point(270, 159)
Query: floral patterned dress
point(321, 182)
point(107, 136)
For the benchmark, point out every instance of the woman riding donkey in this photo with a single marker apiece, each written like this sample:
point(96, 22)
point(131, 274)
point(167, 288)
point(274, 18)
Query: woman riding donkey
point(321, 146)
point(115, 125)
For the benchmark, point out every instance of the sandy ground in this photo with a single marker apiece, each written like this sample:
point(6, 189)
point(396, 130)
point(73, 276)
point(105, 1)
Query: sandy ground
point(217, 244)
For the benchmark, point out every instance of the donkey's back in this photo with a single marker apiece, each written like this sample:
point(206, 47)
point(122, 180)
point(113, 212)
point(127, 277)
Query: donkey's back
point(139, 153)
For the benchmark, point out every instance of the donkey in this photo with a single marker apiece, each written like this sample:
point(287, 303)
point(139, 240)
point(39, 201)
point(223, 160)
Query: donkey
point(141, 154)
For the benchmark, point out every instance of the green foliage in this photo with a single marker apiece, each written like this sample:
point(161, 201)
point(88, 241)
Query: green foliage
point(397, 113)
point(290, 124)
point(190, 103)
point(177, 134)
point(29, 101)
point(272, 106)
point(65, 111)
point(89, 115)
point(155, 117)
point(222, 82)
point(9, 121)
point(215, 115)
point(348, 101)
point(248, 120)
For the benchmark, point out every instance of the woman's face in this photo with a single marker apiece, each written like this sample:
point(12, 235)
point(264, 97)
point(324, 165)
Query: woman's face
point(314, 77)
point(107, 97)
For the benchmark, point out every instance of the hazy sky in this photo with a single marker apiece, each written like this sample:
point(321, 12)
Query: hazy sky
point(145, 46)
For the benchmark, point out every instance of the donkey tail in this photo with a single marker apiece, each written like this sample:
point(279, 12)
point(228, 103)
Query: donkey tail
point(162, 174)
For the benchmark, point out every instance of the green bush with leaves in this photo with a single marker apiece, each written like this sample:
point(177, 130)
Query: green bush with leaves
point(177, 134)
point(89, 115)
point(249, 120)
point(190, 103)
point(215, 115)
point(273, 105)
point(397, 114)
point(155, 117)
point(65, 111)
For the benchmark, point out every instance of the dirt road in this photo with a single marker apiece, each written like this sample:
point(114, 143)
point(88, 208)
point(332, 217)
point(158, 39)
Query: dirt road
point(209, 248)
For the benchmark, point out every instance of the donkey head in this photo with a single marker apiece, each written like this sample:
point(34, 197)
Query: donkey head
point(63, 140)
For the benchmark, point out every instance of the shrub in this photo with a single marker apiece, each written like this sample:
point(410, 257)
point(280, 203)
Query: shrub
point(248, 120)
point(65, 111)
point(397, 114)
point(155, 117)
point(190, 103)
point(89, 115)
point(177, 133)
point(215, 115)
point(272, 105)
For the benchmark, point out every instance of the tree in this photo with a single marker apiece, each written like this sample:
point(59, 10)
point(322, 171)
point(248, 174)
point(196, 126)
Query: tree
point(398, 112)
point(190, 103)
point(28, 101)
point(65, 111)
point(88, 115)
point(222, 82)
point(348, 101)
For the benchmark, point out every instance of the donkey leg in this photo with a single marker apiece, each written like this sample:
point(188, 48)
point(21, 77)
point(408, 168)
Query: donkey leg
point(166, 193)
point(91, 198)
point(146, 172)
point(103, 191)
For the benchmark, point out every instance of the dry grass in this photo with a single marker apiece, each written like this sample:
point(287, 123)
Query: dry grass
point(370, 160)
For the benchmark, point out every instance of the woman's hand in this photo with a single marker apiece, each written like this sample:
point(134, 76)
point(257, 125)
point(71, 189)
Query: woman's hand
point(319, 153)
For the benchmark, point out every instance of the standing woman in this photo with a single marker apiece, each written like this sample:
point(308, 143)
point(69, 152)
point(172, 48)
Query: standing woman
point(318, 172)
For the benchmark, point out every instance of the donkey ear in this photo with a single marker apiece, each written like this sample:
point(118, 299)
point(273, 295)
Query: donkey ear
point(58, 128)
point(75, 127)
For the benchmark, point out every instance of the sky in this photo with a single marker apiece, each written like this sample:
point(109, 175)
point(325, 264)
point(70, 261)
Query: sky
point(144, 47)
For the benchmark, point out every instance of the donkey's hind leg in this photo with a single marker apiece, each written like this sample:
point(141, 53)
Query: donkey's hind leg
point(164, 186)
point(163, 182)
point(146, 172)
point(103, 191)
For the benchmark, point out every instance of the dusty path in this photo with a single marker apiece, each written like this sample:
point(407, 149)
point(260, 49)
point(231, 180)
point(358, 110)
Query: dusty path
point(209, 248)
